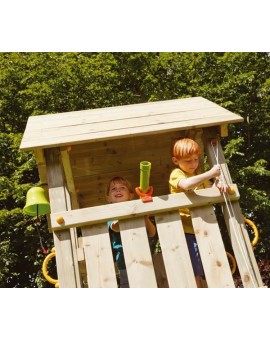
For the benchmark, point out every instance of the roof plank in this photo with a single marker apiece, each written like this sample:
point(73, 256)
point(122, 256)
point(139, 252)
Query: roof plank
point(79, 127)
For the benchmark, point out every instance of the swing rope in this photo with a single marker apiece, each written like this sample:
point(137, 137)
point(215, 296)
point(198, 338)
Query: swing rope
point(230, 207)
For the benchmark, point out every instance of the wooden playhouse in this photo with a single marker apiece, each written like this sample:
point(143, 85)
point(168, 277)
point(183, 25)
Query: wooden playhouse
point(78, 152)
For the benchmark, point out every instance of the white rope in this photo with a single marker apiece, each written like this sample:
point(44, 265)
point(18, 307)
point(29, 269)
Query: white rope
point(230, 208)
point(226, 196)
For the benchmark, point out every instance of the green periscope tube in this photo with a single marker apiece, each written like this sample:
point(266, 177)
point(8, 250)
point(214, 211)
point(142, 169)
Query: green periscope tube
point(145, 168)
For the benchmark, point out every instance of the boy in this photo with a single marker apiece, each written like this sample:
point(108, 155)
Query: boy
point(119, 190)
point(185, 155)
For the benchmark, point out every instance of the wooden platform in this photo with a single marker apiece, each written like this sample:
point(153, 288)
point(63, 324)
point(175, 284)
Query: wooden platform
point(78, 152)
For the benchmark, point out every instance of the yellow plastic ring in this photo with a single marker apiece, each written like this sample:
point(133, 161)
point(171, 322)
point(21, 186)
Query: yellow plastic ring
point(233, 262)
point(255, 230)
point(44, 269)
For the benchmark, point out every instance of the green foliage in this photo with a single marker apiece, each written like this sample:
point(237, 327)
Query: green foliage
point(46, 83)
point(21, 255)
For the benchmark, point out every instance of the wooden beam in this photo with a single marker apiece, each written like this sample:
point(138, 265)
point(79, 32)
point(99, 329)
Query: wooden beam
point(136, 208)
point(69, 177)
point(41, 164)
point(242, 248)
point(241, 244)
point(74, 244)
point(197, 136)
point(62, 239)
point(223, 130)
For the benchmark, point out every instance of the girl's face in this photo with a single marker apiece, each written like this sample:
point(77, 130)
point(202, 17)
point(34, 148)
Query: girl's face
point(188, 164)
point(118, 193)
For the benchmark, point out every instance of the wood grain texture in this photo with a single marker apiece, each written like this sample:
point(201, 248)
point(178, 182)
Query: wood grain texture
point(119, 122)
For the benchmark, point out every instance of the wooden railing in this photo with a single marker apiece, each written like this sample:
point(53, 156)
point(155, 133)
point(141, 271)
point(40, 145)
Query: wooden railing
point(97, 251)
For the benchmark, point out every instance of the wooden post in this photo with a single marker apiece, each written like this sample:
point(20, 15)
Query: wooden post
point(241, 244)
point(59, 201)
point(72, 204)
point(196, 135)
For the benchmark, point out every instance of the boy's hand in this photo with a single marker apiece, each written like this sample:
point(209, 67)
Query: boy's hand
point(215, 171)
point(115, 226)
point(222, 186)
point(150, 227)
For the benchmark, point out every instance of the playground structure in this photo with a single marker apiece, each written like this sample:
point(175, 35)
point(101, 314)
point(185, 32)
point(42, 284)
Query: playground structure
point(78, 152)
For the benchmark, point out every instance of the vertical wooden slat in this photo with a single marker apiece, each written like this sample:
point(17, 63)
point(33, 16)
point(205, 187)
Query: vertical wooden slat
point(137, 254)
point(98, 257)
point(175, 251)
point(242, 248)
point(211, 247)
point(59, 202)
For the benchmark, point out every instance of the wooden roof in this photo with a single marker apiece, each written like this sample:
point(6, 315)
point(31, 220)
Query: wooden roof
point(79, 127)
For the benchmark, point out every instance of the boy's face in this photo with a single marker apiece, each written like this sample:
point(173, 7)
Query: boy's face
point(118, 193)
point(188, 164)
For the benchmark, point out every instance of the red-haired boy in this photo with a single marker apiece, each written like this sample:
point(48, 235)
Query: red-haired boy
point(185, 155)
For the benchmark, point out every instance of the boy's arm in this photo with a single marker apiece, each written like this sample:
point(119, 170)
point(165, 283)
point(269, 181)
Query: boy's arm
point(150, 227)
point(191, 182)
